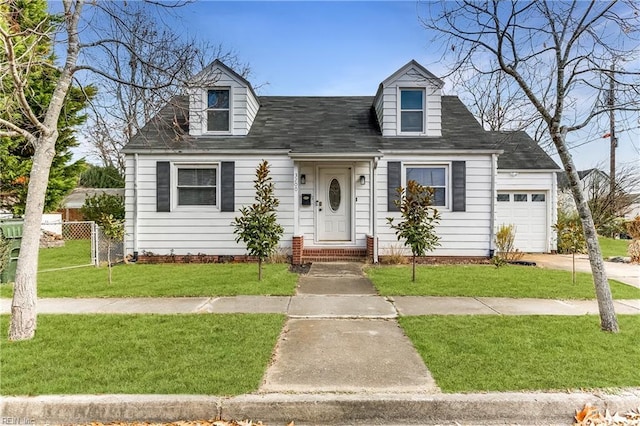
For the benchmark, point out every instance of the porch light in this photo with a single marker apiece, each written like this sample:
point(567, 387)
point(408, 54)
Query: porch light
point(362, 180)
point(303, 179)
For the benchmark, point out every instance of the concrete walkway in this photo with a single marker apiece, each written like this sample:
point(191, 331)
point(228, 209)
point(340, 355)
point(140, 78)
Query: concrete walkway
point(323, 348)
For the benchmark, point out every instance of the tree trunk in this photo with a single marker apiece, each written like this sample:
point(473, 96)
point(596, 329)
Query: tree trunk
point(109, 258)
point(413, 269)
point(259, 269)
point(573, 266)
point(608, 320)
point(23, 305)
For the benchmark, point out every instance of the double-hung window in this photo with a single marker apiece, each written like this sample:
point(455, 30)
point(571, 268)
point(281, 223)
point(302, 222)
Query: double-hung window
point(197, 185)
point(435, 177)
point(218, 113)
point(411, 110)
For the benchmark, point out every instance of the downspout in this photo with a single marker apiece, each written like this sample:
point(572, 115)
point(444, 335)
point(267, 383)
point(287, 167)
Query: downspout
point(553, 240)
point(135, 207)
point(374, 211)
point(494, 194)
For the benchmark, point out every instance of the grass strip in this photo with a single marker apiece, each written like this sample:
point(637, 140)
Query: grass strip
point(611, 247)
point(489, 281)
point(140, 354)
point(487, 353)
point(166, 280)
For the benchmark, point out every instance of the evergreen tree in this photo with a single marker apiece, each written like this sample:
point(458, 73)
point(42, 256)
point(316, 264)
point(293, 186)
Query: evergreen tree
point(258, 225)
point(15, 152)
point(419, 219)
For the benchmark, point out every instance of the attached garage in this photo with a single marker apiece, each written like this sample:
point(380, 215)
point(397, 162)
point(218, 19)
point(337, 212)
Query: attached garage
point(527, 211)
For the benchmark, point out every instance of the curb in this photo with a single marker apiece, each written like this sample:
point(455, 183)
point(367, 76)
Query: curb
point(325, 409)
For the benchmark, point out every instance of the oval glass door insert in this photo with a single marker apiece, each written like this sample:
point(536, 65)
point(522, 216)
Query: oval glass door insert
point(334, 194)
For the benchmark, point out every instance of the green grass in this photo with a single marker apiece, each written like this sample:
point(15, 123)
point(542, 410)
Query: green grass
point(490, 353)
point(166, 280)
point(611, 247)
point(489, 281)
point(140, 354)
point(74, 253)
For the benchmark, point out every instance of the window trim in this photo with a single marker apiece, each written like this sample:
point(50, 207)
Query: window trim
point(206, 109)
point(423, 110)
point(174, 186)
point(447, 175)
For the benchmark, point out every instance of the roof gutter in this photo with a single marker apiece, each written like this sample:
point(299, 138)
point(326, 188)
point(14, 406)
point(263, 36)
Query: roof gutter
point(323, 156)
point(442, 151)
point(215, 151)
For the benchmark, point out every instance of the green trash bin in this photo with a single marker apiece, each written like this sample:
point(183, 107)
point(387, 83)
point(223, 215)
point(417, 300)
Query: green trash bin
point(11, 230)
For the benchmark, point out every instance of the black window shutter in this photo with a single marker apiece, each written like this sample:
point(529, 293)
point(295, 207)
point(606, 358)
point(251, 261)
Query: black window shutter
point(163, 186)
point(394, 181)
point(459, 191)
point(228, 184)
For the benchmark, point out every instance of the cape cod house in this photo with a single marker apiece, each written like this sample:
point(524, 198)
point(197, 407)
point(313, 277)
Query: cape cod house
point(336, 163)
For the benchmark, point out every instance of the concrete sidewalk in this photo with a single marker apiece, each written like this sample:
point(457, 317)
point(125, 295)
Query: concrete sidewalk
point(327, 306)
point(341, 359)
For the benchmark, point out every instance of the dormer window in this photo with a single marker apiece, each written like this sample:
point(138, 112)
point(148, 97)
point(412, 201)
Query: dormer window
point(218, 114)
point(411, 110)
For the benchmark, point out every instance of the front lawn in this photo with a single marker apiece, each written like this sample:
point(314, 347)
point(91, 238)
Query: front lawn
point(515, 353)
point(611, 247)
point(489, 281)
point(166, 280)
point(73, 253)
point(140, 354)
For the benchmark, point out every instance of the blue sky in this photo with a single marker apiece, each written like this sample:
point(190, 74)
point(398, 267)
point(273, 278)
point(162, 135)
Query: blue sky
point(330, 48)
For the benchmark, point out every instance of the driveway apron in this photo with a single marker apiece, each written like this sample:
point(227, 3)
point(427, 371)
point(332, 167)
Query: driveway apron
point(342, 337)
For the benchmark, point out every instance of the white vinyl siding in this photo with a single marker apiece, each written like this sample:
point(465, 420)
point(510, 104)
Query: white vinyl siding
point(387, 104)
point(461, 233)
point(191, 230)
point(243, 105)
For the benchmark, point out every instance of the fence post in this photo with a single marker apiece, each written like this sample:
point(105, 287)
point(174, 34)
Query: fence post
point(95, 244)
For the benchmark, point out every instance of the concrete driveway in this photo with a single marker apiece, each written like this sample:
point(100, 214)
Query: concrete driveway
point(624, 272)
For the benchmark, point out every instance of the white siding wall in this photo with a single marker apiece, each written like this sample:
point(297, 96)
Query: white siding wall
point(509, 180)
point(461, 233)
point(243, 105)
point(195, 230)
point(388, 108)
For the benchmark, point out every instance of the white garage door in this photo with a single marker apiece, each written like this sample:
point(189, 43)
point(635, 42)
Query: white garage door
point(527, 210)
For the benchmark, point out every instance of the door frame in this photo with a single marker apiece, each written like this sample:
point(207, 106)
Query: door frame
point(352, 204)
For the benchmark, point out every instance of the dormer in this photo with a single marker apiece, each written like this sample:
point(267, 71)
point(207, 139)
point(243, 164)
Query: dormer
point(221, 102)
point(408, 102)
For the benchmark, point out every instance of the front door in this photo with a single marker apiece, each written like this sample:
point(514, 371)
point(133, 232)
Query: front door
point(333, 203)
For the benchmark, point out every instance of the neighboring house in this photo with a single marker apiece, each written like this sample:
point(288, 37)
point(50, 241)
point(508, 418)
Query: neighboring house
point(592, 182)
point(595, 183)
point(634, 208)
point(336, 163)
point(70, 208)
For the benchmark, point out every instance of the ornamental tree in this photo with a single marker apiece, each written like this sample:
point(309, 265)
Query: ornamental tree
point(258, 225)
point(419, 220)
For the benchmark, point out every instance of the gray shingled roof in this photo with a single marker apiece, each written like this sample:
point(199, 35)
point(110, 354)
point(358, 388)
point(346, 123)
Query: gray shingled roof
point(563, 180)
point(325, 125)
point(521, 152)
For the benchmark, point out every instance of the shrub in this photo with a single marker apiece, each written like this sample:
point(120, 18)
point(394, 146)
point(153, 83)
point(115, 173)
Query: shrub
point(505, 242)
point(570, 234)
point(99, 206)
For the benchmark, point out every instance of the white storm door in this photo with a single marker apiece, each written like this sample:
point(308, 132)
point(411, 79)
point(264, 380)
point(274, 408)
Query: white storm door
point(334, 204)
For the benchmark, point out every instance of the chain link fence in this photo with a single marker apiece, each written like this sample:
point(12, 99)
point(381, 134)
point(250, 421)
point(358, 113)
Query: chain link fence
point(66, 245)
